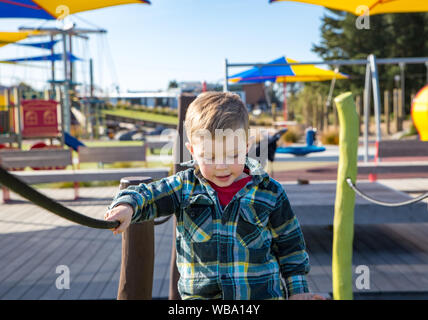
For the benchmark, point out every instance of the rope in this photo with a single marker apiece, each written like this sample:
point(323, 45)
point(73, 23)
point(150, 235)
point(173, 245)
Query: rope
point(19, 187)
point(161, 221)
point(382, 203)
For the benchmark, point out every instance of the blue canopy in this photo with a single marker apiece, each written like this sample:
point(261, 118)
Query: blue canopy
point(42, 45)
point(47, 10)
point(286, 73)
point(55, 57)
point(256, 75)
point(23, 9)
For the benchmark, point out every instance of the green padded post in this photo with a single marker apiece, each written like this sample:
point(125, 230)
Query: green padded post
point(343, 224)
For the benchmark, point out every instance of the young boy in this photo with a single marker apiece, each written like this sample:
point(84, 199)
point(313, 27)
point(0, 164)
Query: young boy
point(237, 237)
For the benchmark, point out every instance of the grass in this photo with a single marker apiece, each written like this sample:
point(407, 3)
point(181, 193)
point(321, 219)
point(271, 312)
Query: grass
point(141, 115)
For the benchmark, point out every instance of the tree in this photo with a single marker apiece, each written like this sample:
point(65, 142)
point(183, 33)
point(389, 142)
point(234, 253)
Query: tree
point(390, 35)
point(172, 84)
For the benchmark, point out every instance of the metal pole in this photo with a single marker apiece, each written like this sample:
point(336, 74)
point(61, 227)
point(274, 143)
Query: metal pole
point(376, 94)
point(66, 100)
point(367, 96)
point(70, 50)
point(52, 68)
point(91, 77)
point(226, 76)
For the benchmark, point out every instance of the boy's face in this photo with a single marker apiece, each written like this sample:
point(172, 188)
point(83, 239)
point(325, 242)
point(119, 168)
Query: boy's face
point(221, 159)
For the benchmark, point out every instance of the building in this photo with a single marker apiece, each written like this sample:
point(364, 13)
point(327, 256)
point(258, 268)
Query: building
point(167, 98)
point(147, 98)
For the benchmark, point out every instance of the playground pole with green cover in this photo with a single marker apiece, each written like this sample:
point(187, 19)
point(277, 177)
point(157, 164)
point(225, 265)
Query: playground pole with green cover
point(343, 224)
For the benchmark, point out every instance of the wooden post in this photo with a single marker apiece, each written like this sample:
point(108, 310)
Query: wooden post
point(284, 85)
point(7, 125)
point(412, 97)
point(386, 110)
point(325, 116)
point(138, 254)
point(400, 109)
point(273, 112)
point(181, 154)
point(46, 94)
point(61, 113)
point(17, 98)
point(314, 115)
point(395, 108)
point(336, 116)
point(343, 224)
point(319, 113)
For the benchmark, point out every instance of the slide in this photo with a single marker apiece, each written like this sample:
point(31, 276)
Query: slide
point(72, 142)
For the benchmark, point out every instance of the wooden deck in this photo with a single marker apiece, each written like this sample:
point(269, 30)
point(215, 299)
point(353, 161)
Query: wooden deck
point(34, 242)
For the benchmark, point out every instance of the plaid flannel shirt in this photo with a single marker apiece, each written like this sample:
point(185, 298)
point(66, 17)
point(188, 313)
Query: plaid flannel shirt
point(239, 252)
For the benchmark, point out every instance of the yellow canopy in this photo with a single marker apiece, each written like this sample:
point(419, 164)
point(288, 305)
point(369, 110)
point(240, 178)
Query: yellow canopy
point(75, 6)
point(375, 6)
point(11, 37)
point(286, 73)
point(308, 72)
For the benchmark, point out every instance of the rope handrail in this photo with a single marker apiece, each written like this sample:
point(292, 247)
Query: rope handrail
point(383, 203)
point(18, 186)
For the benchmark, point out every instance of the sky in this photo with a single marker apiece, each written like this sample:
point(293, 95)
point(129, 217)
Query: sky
point(146, 46)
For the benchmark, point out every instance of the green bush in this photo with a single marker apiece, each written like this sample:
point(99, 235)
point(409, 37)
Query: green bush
point(330, 137)
point(291, 136)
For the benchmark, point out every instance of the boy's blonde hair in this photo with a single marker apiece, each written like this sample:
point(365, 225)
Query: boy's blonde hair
point(216, 110)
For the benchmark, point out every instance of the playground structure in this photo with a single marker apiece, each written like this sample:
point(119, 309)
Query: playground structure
point(76, 116)
point(305, 150)
point(420, 113)
point(43, 119)
point(371, 81)
point(344, 212)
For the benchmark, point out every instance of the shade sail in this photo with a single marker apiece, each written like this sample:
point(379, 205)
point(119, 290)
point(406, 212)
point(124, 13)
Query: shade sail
point(42, 45)
point(375, 6)
point(287, 73)
point(47, 9)
point(12, 37)
point(52, 57)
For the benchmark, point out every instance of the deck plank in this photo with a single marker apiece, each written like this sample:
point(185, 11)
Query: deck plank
point(33, 242)
point(320, 258)
point(382, 274)
point(44, 275)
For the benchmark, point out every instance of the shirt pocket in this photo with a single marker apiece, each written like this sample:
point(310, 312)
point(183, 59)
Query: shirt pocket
point(197, 219)
point(251, 228)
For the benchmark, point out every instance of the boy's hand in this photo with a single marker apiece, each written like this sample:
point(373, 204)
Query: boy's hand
point(123, 214)
point(306, 296)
